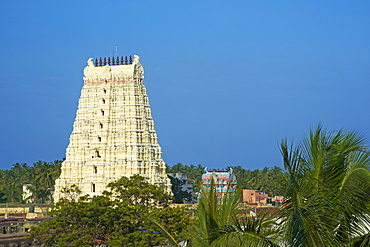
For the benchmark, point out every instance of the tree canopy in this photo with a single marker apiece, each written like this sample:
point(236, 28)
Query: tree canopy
point(219, 222)
point(119, 217)
point(328, 187)
point(41, 175)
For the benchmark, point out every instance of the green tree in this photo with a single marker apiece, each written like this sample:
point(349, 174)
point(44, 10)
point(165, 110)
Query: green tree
point(134, 199)
point(178, 193)
point(218, 223)
point(77, 221)
point(2, 186)
point(41, 175)
point(328, 187)
point(119, 217)
point(176, 221)
point(12, 181)
point(45, 174)
point(137, 191)
point(193, 172)
point(269, 179)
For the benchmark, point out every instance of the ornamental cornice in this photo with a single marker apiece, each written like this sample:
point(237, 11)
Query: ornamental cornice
point(120, 73)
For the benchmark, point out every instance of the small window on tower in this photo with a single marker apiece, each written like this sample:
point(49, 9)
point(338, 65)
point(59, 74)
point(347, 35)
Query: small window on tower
point(97, 155)
point(104, 91)
point(103, 100)
point(101, 125)
point(95, 169)
point(93, 188)
point(102, 112)
point(99, 139)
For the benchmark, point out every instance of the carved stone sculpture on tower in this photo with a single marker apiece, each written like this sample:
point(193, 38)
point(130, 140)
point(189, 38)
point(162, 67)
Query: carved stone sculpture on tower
point(113, 133)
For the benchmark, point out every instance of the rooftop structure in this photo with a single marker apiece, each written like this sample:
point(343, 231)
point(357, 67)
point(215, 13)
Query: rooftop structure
point(254, 197)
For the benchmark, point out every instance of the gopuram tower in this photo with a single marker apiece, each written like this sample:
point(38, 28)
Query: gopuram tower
point(113, 133)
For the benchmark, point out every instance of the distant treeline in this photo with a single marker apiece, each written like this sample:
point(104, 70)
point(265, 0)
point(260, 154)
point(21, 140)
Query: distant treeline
point(41, 175)
point(269, 179)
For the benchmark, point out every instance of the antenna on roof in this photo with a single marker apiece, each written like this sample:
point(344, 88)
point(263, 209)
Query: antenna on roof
point(114, 53)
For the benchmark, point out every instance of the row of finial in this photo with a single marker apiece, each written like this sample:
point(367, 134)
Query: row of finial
point(116, 61)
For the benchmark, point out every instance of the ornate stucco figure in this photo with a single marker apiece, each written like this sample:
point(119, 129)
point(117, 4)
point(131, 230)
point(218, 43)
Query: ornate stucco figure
point(138, 68)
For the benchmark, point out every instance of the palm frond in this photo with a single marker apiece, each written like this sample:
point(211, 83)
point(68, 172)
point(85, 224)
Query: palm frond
point(165, 233)
point(328, 188)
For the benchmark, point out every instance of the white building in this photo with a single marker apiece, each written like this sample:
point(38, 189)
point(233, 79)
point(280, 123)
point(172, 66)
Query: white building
point(187, 185)
point(27, 193)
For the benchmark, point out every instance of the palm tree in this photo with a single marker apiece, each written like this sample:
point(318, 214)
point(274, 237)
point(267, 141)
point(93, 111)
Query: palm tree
point(2, 180)
point(11, 190)
point(259, 231)
point(57, 164)
point(219, 224)
point(13, 180)
point(45, 181)
point(212, 216)
point(328, 187)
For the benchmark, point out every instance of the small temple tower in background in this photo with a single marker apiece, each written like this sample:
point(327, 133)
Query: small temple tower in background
point(224, 181)
point(113, 133)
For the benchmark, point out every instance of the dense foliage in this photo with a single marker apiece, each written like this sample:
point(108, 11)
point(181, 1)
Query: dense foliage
point(41, 175)
point(179, 195)
point(328, 190)
point(220, 222)
point(270, 179)
point(119, 217)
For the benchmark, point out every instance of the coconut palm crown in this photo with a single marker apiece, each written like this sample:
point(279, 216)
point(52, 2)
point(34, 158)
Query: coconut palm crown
point(328, 188)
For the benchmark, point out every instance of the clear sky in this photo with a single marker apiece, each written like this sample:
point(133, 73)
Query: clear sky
point(226, 80)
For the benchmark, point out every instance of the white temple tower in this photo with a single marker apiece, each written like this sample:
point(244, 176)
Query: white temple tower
point(113, 133)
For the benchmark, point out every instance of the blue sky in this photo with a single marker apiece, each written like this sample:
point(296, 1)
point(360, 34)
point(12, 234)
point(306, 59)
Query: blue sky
point(227, 80)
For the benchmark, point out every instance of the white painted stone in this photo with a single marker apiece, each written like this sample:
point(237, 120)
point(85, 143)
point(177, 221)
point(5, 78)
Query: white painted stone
point(113, 133)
